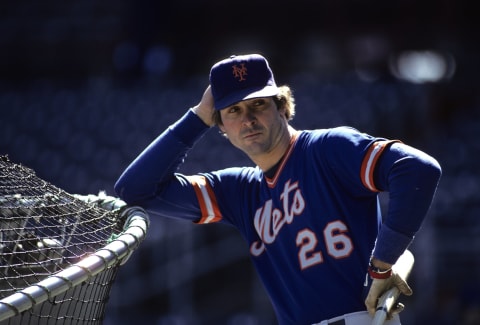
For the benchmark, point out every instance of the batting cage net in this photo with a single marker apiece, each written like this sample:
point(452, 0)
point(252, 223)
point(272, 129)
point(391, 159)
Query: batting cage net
point(59, 253)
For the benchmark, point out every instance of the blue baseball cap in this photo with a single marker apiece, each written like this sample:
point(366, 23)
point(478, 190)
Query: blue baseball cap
point(241, 77)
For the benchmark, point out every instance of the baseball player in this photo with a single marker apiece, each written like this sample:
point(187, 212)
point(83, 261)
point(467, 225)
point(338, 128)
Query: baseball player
point(309, 210)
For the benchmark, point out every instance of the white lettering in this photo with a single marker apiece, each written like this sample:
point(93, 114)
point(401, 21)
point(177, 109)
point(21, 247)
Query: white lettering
point(269, 221)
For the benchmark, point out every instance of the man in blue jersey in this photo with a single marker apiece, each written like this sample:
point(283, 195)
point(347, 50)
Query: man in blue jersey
point(309, 210)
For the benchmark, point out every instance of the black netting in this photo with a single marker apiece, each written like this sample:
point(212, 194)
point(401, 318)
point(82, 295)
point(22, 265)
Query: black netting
point(44, 229)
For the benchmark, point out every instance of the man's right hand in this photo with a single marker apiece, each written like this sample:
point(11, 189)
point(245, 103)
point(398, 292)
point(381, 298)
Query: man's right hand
point(205, 108)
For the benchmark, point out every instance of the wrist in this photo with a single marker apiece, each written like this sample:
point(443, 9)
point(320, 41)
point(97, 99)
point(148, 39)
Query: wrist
point(379, 270)
point(204, 116)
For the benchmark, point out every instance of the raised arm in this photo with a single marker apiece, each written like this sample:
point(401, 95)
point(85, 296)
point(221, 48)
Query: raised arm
point(144, 177)
point(205, 108)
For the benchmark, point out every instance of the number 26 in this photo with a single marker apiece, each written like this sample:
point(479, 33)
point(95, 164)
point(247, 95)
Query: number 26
point(337, 243)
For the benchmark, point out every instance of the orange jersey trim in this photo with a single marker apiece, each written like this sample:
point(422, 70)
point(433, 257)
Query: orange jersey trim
point(206, 199)
point(271, 182)
point(370, 161)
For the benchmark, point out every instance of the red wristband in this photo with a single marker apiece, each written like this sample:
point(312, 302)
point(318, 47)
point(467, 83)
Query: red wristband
point(376, 273)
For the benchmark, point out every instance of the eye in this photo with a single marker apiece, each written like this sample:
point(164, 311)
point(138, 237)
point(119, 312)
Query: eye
point(233, 109)
point(259, 102)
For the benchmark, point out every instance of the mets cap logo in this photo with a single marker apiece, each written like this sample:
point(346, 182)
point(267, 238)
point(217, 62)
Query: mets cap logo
point(239, 72)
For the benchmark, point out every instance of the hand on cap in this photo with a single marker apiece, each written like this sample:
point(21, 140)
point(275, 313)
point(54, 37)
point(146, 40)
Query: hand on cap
point(205, 108)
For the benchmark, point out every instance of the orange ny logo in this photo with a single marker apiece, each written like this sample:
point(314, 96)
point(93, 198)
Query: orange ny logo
point(240, 72)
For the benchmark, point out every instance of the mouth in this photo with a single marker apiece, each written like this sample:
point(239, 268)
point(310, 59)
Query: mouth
point(252, 135)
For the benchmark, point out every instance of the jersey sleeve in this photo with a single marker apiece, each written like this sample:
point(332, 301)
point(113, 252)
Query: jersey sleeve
point(366, 164)
point(206, 198)
point(369, 163)
point(352, 157)
point(155, 167)
point(411, 177)
point(203, 198)
point(152, 181)
point(188, 197)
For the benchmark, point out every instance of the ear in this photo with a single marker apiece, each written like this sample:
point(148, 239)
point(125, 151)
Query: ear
point(283, 111)
point(221, 127)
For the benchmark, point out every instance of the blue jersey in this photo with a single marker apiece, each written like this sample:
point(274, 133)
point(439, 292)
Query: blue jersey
point(311, 224)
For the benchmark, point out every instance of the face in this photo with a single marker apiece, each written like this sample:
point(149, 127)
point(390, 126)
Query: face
point(255, 126)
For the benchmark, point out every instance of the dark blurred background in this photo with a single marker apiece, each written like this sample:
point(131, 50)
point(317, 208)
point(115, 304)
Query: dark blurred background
point(86, 85)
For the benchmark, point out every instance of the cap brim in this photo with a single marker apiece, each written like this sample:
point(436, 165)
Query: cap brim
point(244, 94)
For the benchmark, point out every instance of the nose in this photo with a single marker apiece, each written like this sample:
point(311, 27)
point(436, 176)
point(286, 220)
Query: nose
point(248, 118)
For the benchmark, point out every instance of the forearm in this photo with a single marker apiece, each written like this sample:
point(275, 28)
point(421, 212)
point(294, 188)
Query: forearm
point(157, 163)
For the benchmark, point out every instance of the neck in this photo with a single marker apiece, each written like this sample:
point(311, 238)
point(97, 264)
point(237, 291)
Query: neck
point(268, 159)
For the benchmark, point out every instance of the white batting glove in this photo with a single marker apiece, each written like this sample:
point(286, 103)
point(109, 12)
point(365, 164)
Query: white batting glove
point(102, 200)
point(380, 286)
